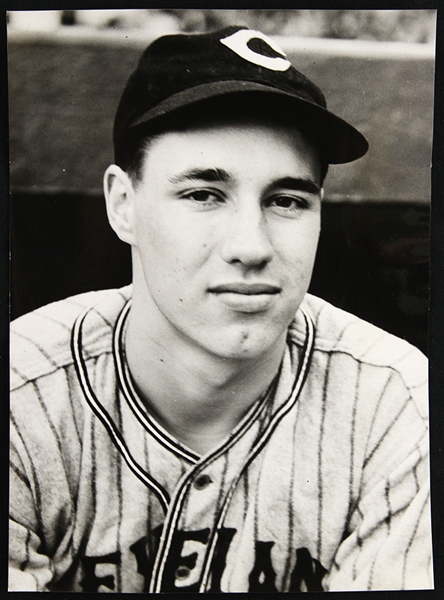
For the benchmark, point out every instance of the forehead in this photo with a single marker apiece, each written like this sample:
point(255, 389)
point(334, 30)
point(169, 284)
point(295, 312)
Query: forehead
point(240, 141)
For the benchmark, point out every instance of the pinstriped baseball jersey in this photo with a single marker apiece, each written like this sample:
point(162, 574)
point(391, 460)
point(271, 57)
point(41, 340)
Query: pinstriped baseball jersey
point(322, 485)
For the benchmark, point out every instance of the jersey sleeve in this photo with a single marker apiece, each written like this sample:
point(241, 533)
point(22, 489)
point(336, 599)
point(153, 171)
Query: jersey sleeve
point(387, 545)
point(43, 483)
point(29, 568)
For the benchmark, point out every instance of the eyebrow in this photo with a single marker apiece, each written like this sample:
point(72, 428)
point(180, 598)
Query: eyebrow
point(298, 184)
point(208, 175)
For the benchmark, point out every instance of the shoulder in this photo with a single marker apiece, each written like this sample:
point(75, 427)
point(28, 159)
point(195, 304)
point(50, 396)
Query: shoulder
point(352, 340)
point(40, 341)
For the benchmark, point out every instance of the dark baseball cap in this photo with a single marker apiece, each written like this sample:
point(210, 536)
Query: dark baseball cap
point(179, 71)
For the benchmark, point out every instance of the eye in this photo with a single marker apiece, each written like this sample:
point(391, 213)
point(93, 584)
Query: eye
point(203, 196)
point(288, 203)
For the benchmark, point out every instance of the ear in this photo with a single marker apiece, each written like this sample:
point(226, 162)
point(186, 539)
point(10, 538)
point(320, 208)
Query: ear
point(321, 194)
point(119, 192)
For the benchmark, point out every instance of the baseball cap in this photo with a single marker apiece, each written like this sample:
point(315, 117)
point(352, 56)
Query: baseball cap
point(181, 70)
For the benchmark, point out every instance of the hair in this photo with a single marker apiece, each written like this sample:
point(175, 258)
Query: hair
point(270, 110)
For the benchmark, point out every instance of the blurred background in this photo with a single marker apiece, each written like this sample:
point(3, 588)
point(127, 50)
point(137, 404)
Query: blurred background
point(415, 26)
point(67, 70)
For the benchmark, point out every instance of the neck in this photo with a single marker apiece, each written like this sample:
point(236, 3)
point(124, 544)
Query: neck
point(196, 396)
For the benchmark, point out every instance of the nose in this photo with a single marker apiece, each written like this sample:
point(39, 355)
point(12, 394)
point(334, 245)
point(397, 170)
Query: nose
point(246, 240)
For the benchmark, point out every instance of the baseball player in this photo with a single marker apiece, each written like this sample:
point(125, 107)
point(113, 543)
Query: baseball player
point(213, 427)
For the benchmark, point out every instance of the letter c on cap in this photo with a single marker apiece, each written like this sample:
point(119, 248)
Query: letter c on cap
point(238, 43)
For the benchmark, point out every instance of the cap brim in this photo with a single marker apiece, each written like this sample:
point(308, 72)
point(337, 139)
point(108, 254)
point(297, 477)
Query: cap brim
point(341, 142)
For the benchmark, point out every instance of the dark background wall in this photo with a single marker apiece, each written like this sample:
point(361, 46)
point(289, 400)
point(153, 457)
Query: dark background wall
point(373, 253)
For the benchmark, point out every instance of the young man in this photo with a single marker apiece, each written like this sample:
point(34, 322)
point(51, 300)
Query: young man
point(213, 427)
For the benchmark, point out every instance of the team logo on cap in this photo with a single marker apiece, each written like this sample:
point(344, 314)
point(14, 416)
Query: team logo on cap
point(238, 43)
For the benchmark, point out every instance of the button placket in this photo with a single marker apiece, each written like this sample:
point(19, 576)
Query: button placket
point(190, 512)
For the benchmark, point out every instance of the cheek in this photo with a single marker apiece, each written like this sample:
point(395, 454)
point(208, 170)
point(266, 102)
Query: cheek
point(297, 247)
point(171, 247)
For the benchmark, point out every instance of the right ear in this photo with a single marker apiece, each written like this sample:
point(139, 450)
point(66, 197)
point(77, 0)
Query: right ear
point(119, 196)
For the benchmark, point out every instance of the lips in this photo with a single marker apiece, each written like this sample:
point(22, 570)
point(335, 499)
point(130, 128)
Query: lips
point(246, 289)
point(242, 297)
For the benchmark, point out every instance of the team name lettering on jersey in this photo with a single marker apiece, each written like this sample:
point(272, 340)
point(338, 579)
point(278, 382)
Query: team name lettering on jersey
point(307, 574)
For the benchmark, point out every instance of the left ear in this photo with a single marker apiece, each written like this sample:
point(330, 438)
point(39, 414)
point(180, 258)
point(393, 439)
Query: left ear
point(119, 194)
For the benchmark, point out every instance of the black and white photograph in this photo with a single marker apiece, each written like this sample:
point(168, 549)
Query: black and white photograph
point(219, 299)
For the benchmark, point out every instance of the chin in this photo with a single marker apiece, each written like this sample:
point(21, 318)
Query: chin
point(247, 346)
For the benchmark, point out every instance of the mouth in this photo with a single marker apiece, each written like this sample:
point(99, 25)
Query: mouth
point(244, 297)
point(246, 289)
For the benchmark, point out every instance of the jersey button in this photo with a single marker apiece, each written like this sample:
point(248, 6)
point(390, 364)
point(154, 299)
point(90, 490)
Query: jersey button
point(202, 481)
point(182, 572)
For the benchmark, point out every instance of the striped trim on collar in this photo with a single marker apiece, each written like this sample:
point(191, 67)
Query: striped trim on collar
point(132, 398)
point(103, 415)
